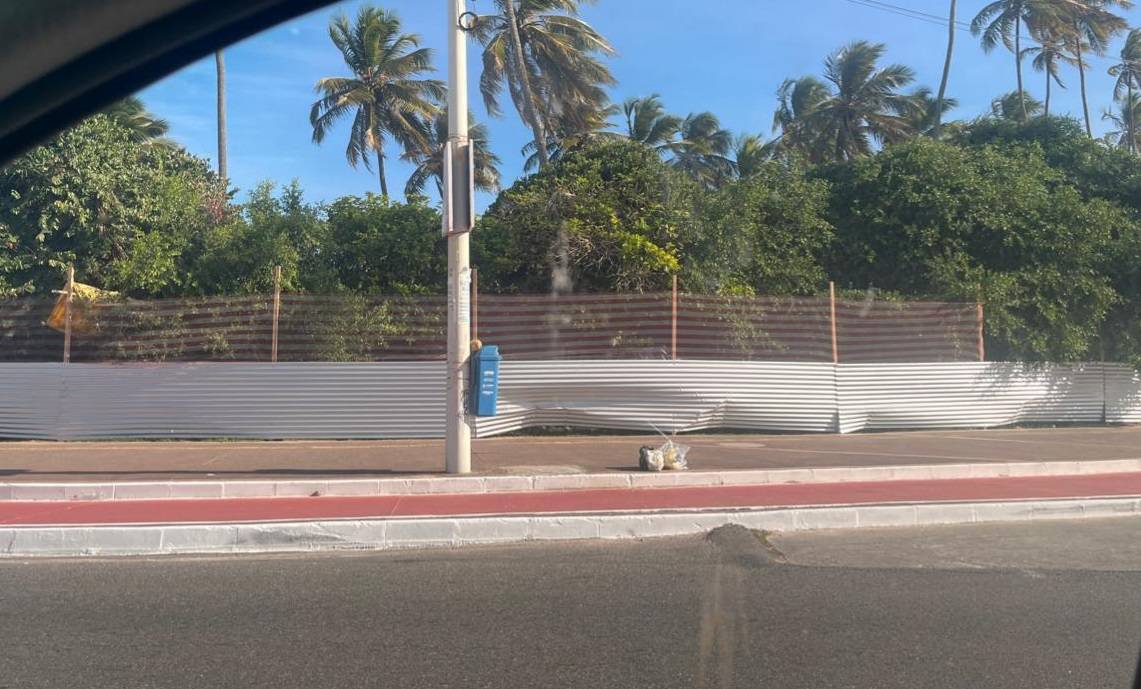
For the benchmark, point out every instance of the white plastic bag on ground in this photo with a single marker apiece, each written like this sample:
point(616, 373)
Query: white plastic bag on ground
point(670, 456)
point(673, 455)
point(650, 459)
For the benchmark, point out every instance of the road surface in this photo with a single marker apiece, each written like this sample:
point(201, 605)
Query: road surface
point(1050, 604)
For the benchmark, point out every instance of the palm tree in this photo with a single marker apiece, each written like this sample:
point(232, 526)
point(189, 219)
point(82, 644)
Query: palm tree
point(583, 120)
point(384, 94)
point(1128, 73)
point(1128, 134)
point(1048, 55)
point(548, 59)
point(862, 103)
point(648, 123)
point(430, 160)
point(144, 127)
point(1001, 21)
point(952, 29)
point(517, 68)
point(1092, 27)
point(1009, 106)
point(702, 149)
point(570, 129)
point(927, 115)
point(798, 100)
point(223, 149)
point(750, 155)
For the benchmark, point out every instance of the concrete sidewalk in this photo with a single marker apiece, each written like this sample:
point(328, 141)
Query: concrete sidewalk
point(251, 525)
point(565, 502)
point(201, 497)
point(85, 462)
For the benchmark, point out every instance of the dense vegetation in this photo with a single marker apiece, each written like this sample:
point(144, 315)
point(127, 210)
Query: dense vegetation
point(864, 184)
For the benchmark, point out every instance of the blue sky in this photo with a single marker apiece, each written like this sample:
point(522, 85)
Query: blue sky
point(726, 56)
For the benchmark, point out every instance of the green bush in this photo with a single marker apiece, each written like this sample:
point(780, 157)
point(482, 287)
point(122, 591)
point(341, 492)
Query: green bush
point(610, 212)
point(931, 219)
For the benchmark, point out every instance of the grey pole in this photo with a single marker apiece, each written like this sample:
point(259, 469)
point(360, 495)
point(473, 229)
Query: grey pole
point(458, 221)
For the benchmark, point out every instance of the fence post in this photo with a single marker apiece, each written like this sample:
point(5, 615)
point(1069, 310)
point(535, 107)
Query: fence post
point(1104, 390)
point(979, 317)
point(475, 303)
point(276, 311)
point(673, 320)
point(832, 309)
point(67, 314)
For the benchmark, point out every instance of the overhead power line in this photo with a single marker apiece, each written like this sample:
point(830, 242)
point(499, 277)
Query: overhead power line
point(908, 12)
point(936, 20)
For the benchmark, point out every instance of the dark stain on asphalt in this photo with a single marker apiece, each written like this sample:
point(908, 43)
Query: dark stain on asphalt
point(744, 547)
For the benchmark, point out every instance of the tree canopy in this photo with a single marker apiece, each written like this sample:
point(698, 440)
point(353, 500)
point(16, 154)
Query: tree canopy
point(865, 183)
point(126, 214)
point(613, 207)
point(982, 223)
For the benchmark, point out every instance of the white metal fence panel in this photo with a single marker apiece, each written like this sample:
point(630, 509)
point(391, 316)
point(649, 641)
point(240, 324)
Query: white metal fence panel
point(222, 400)
point(1122, 394)
point(30, 398)
point(671, 395)
point(405, 399)
point(902, 396)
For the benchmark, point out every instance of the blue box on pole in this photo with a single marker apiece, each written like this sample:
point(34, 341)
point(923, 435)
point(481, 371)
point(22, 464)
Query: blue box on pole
point(485, 380)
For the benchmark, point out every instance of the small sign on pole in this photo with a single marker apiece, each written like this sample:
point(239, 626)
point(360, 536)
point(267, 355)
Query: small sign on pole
point(459, 298)
point(459, 177)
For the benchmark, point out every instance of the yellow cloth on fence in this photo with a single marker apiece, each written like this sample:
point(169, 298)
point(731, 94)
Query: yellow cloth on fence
point(84, 300)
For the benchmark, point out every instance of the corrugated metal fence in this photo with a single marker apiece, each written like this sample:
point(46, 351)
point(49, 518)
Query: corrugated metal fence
point(404, 399)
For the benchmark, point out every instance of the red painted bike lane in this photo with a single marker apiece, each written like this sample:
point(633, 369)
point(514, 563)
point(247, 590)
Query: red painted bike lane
point(226, 510)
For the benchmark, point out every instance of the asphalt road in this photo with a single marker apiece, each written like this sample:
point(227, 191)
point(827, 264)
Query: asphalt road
point(1042, 605)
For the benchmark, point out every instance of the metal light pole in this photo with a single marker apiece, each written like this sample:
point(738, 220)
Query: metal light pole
point(458, 217)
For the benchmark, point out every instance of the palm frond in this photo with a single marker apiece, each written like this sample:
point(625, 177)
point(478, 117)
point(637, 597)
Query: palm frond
point(858, 103)
point(384, 95)
point(429, 159)
point(561, 62)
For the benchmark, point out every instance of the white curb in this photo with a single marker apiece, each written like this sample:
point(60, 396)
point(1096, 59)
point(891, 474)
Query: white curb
point(158, 490)
point(381, 534)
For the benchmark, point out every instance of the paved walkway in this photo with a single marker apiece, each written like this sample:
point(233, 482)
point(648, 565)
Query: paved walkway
point(232, 510)
point(196, 460)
